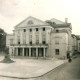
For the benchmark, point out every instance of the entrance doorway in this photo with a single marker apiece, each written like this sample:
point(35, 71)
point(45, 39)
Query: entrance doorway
point(40, 52)
point(33, 52)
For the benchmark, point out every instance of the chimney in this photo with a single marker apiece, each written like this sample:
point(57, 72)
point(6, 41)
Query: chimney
point(66, 20)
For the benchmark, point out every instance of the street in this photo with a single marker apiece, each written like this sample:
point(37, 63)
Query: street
point(67, 71)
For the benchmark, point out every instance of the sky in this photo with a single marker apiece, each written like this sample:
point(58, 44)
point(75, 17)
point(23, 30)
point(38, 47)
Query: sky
point(13, 12)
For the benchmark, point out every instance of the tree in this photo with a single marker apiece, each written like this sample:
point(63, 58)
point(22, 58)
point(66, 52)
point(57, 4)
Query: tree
point(2, 39)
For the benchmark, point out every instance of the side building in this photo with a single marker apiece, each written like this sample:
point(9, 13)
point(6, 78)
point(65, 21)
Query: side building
point(35, 38)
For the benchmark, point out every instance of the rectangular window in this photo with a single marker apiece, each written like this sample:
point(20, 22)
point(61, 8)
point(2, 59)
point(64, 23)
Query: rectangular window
point(44, 42)
point(30, 42)
point(36, 29)
point(11, 41)
point(57, 51)
point(18, 42)
point(79, 44)
point(43, 29)
point(37, 39)
point(30, 30)
point(30, 38)
point(24, 30)
point(57, 31)
point(18, 39)
point(24, 39)
point(57, 42)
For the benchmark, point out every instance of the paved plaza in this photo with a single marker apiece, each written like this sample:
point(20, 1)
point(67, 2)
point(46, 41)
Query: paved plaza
point(28, 68)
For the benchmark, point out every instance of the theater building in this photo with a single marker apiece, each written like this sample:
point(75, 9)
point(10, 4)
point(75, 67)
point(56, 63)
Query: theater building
point(35, 38)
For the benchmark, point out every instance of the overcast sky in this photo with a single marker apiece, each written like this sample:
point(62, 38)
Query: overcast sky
point(14, 11)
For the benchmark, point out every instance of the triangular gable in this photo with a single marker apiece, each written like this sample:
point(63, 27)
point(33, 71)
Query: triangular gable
point(56, 21)
point(31, 21)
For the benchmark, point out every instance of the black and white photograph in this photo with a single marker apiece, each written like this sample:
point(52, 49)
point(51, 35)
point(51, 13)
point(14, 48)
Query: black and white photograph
point(39, 40)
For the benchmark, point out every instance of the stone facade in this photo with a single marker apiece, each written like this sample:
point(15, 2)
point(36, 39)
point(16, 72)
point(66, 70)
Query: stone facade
point(36, 38)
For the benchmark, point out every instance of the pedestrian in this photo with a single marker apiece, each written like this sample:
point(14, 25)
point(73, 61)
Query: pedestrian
point(68, 55)
point(69, 60)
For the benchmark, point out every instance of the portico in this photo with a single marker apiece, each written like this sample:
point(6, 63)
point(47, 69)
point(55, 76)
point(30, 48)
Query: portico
point(29, 51)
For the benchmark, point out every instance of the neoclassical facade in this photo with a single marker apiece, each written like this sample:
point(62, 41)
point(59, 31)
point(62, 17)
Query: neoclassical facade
point(35, 38)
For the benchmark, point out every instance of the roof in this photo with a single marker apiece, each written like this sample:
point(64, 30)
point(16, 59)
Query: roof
point(57, 21)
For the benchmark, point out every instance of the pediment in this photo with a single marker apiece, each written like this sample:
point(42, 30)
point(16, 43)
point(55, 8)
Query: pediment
point(31, 21)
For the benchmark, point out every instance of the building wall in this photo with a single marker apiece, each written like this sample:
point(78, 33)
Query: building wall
point(25, 37)
point(78, 45)
point(9, 40)
point(59, 41)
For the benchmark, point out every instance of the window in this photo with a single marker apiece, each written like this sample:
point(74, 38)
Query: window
point(57, 51)
point(18, 42)
point(57, 30)
point(11, 41)
point(24, 30)
point(30, 42)
point(57, 42)
point(18, 39)
point(36, 29)
point(24, 39)
point(30, 30)
point(43, 29)
point(30, 38)
point(44, 42)
point(37, 39)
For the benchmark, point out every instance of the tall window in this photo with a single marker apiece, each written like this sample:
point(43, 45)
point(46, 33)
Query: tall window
point(57, 42)
point(24, 38)
point(57, 51)
point(11, 41)
point(37, 39)
point(44, 38)
point(30, 39)
point(18, 39)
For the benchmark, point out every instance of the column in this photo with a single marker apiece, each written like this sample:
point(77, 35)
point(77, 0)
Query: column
point(21, 36)
point(29, 52)
point(36, 52)
point(27, 36)
point(13, 53)
point(23, 52)
point(44, 52)
point(15, 37)
point(47, 35)
point(16, 52)
point(40, 36)
point(10, 52)
point(33, 36)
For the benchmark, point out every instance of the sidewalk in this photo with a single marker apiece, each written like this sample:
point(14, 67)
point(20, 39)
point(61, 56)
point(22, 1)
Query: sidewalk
point(28, 68)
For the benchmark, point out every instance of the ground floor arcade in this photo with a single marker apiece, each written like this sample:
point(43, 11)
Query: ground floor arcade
point(28, 52)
